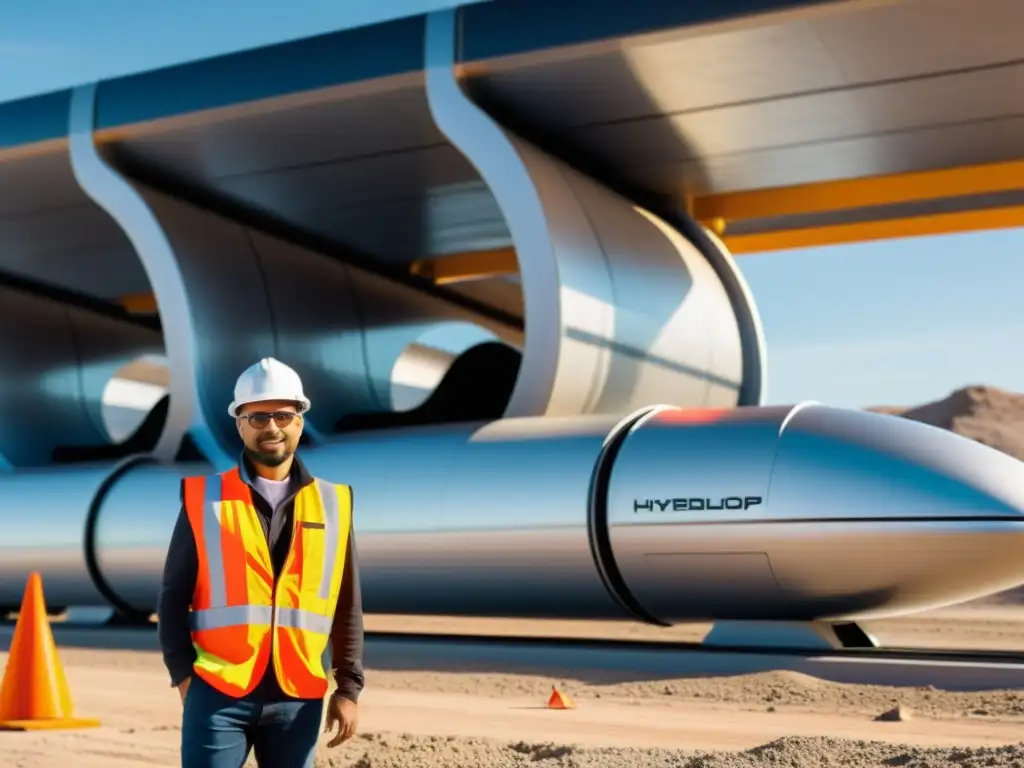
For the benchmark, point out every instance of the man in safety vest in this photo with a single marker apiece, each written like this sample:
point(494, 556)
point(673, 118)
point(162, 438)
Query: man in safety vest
point(260, 594)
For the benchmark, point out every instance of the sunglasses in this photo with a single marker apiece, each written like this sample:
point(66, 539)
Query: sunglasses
point(260, 419)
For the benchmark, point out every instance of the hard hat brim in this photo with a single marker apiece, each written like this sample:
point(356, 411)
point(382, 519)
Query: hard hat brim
point(303, 402)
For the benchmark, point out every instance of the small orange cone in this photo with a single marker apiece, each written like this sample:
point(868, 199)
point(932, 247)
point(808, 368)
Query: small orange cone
point(560, 700)
point(34, 694)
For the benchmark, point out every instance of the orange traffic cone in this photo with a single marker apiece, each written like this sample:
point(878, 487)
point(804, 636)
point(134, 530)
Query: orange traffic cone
point(34, 694)
point(560, 700)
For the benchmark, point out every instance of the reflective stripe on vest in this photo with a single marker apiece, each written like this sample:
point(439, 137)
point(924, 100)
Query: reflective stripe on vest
point(237, 602)
point(228, 616)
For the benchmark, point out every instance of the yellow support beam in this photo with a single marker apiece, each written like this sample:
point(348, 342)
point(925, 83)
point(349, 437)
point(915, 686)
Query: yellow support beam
point(481, 265)
point(139, 303)
point(831, 196)
point(462, 267)
point(859, 232)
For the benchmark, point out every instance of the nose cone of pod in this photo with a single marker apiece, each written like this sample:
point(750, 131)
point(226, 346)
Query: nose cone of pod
point(836, 464)
point(890, 516)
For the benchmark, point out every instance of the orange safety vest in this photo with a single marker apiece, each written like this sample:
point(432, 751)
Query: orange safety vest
point(241, 616)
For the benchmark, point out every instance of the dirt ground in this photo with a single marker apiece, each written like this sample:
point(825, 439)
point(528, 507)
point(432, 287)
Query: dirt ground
point(453, 718)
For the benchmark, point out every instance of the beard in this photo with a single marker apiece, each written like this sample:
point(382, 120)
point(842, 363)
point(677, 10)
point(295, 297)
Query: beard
point(269, 459)
point(273, 458)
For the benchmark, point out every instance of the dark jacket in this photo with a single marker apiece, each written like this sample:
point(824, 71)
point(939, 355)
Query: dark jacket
point(344, 651)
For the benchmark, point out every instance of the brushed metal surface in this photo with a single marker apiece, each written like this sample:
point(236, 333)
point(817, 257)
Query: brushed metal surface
point(866, 132)
point(492, 519)
point(486, 520)
point(515, 516)
point(229, 321)
point(315, 317)
point(253, 296)
point(886, 108)
point(489, 520)
point(862, 515)
point(603, 337)
point(228, 296)
point(53, 234)
point(256, 137)
point(133, 530)
point(704, 454)
point(700, 67)
point(417, 372)
point(129, 210)
point(879, 568)
point(503, 291)
point(44, 516)
point(916, 38)
point(56, 361)
point(348, 179)
point(922, 149)
point(432, 191)
point(853, 90)
point(838, 463)
point(44, 182)
point(821, 570)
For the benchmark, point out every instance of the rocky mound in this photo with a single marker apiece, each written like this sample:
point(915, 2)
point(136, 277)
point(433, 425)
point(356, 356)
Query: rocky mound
point(989, 415)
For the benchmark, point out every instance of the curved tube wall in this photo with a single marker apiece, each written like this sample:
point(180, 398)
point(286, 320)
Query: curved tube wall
point(342, 334)
point(754, 390)
point(124, 205)
point(228, 295)
point(515, 518)
point(56, 361)
point(621, 309)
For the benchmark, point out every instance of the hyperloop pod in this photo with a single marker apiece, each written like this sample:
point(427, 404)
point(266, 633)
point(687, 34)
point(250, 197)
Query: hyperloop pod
point(796, 514)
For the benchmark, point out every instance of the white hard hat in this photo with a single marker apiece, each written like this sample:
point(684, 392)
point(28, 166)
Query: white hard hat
point(269, 379)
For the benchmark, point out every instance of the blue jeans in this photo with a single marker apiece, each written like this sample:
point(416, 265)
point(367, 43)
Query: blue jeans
point(218, 731)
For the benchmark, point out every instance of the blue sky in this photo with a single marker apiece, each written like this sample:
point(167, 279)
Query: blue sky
point(892, 322)
point(900, 321)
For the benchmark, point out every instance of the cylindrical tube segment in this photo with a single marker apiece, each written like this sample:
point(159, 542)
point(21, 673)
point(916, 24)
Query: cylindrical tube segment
point(482, 520)
point(132, 530)
point(668, 515)
point(44, 531)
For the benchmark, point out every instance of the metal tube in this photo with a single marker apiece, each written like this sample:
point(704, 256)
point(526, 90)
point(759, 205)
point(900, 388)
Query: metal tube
point(667, 515)
point(44, 529)
point(135, 513)
point(56, 360)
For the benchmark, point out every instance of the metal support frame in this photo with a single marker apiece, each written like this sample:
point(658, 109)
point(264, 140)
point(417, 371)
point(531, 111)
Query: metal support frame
point(601, 335)
point(115, 195)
